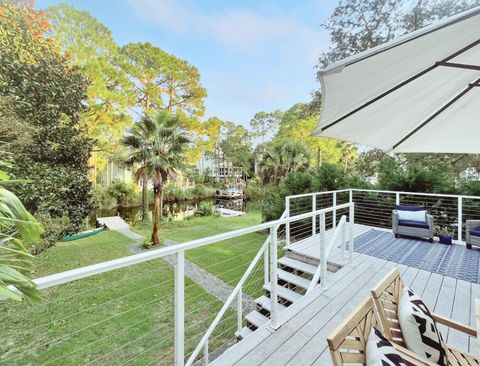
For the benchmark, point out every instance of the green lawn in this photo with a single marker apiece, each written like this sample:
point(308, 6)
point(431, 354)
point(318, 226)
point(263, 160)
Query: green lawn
point(124, 316)
point(228, 259)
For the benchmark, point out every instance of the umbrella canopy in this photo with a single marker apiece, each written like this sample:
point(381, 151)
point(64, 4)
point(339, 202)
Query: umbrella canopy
point(418, 93)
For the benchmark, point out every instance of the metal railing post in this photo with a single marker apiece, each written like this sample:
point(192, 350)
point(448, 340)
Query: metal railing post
point(334, 212)
point(344, 241)
point(287, 225)
point(351, 222)
point(350, 196)
point(323, 252)
point(265, 267)
point(273, 277)
point(397, 198)
point(205, 353)
point(179, 289)
point(460, 219)
point(314, 218)
point(239, 310)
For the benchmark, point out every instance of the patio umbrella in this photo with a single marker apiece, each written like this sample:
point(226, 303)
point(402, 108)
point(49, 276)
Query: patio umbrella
point(418, 93)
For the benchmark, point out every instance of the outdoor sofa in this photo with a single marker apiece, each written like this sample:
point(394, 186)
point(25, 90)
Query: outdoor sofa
point(409, 227)
point(472, 233)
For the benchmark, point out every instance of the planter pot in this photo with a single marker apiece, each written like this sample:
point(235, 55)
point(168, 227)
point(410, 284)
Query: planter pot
point(445, 239)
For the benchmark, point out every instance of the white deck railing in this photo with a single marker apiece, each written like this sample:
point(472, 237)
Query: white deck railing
point(374, 207)
point(268, 251)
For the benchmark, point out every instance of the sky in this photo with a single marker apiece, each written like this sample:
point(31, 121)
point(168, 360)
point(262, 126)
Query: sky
point(252, 55)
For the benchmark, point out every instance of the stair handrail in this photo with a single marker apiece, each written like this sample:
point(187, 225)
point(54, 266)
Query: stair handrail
point(236, 291)
point(321, 271)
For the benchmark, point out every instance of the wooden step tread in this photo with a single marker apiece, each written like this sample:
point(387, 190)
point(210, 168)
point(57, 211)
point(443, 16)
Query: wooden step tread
point(244, 333)
point(256, 318)
point(298, 265)
point(285, 293)
point(266, 304)
point(293, 279)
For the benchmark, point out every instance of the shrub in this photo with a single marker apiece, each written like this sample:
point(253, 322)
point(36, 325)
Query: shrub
point(206, 208)
point(102, 199)
point(55, 229)
point(123, 193)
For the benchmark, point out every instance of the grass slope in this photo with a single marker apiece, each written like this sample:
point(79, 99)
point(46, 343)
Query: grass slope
point(121, 317)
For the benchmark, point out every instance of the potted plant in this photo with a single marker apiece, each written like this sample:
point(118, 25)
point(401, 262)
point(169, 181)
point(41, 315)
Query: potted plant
point(445, 236)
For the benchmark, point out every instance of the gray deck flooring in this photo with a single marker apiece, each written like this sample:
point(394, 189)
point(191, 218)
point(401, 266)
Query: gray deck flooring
point(301, 339)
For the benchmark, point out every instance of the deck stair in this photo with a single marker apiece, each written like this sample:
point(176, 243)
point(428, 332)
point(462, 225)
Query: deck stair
point(294, 278)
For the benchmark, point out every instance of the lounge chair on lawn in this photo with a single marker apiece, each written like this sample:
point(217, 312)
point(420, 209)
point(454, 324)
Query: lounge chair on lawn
point(348, 343)
point(386, 297)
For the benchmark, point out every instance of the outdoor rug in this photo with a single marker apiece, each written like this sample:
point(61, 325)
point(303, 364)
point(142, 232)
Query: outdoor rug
point(449, 260)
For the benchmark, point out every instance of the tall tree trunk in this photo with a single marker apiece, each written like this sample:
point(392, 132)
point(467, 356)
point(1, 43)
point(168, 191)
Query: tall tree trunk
point(156, 214)
point(161, 201)
point(145, 210)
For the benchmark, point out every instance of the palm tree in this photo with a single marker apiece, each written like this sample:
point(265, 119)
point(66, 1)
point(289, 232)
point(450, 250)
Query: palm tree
point(165, 157)
point(139, 140)
point(281, 158)
point(17, 228)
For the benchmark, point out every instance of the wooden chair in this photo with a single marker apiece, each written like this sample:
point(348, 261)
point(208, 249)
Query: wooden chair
point(386, 297)
point(348, 342)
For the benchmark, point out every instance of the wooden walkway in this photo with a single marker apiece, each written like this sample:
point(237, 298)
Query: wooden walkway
point(301, 339)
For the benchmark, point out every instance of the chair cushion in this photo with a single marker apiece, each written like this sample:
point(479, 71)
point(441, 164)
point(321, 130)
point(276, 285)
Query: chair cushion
point(380, 352)
point(420, 216)
point(409, 223)
point(409, 208)
point(475, 231)
point(419, 329)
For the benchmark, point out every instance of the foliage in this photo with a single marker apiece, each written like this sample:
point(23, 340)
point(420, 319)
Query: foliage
point(102, 199)
point(54, 231)
point(162, 81)
point(235, 145)
point(281, 158)
point(18, 228)
point(206, 209)
point(264, 123)
point(123, 193)
point(90, 45)
point(395, 175)
point(48, 95)
point(297, 124)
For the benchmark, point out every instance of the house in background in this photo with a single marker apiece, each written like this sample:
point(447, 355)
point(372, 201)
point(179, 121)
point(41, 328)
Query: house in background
point(218, 167)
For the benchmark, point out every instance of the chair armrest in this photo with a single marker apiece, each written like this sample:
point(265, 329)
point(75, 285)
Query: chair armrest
point(430, 225)
point(395, 221)
point(455, 325)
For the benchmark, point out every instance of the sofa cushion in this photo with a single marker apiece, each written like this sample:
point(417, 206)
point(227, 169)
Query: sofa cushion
point(475, 231)
point(409, 223)
point(420, 216)
point(419, 328)
point(409, 208)
point(380, 351)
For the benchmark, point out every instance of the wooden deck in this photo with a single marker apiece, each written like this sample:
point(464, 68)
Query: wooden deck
point(301, 339)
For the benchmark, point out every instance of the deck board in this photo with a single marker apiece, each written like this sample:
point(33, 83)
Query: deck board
point(301, 340)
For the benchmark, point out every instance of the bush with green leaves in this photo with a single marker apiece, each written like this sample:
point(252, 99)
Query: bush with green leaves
point(123, 193)
point(53, 153)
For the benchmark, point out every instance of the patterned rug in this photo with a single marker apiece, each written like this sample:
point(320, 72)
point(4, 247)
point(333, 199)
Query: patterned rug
point(449, 260)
